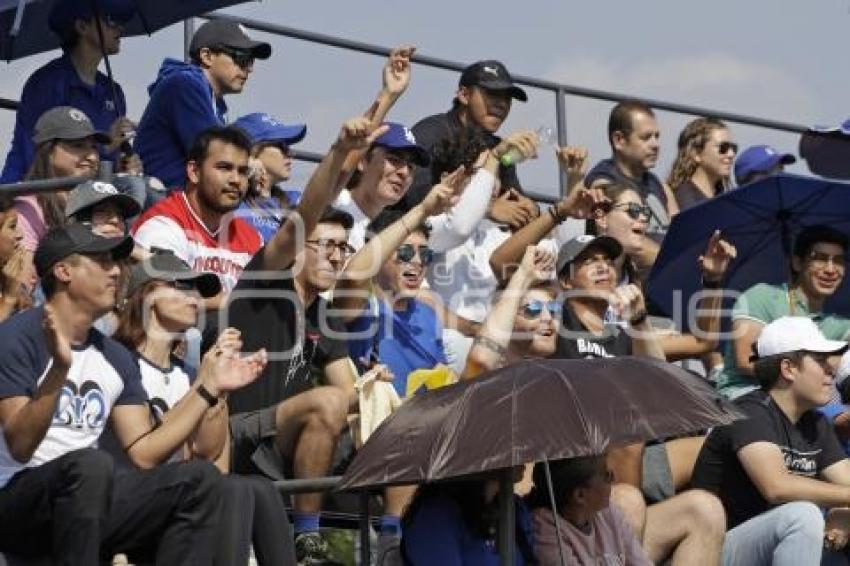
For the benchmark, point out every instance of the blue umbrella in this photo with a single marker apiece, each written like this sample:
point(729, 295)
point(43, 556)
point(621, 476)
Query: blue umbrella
point(24, 31)
point(761, 220)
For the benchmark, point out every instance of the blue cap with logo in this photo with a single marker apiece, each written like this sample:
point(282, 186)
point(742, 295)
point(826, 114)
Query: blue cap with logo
point(64, 13)
point(263, 128)
point(759, 159)
point(399, 138)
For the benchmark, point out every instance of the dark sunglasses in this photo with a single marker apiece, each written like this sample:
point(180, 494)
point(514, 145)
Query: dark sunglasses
point(184, 285)
point(241, 57)
point(406, 253)
point(535, 308)
point(635, 210)
point(724, 147)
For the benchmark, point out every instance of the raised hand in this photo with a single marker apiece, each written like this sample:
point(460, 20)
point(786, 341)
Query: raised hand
point(627, 301)
point(16, 272)
point(445, 194)
point(223, 369)
point(58, 344)
point(513, 209)
point(573, 161)
point(120, 131)
point(582, 202)
point(524, 142)
point(396, 74)
point(357, 133)
point(718, 255)
point(538, 263)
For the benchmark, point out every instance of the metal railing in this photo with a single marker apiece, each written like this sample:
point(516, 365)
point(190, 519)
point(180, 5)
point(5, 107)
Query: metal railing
point(560, 90)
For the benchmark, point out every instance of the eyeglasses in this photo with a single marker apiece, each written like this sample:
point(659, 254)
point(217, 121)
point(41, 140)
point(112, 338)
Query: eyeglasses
point(327, 248)
point(184, 285)
point(819, 260)
point(724, 147)
point(406, 252)
point(635, 210)
point(241, 57)
point(534, 309)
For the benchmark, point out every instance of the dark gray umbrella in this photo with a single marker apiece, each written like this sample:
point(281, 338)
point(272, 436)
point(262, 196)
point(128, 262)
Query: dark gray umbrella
point(536, 410)
point(532, 411)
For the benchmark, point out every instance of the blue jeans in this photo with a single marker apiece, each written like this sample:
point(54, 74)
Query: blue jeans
point(788, 535)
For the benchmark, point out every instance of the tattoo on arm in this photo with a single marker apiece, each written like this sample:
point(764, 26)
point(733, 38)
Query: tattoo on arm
point(490, 344)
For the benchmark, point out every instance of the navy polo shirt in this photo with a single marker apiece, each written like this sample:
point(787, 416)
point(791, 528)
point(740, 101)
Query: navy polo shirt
point(58, 84)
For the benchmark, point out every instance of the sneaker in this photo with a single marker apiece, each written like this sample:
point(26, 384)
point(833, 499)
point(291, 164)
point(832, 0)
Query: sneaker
point(312, 550)
point(389, 550)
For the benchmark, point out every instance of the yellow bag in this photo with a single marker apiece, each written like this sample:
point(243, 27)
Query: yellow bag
point(434, 378)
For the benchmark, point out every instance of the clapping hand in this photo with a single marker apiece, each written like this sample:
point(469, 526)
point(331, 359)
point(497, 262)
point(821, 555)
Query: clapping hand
point(718, 255)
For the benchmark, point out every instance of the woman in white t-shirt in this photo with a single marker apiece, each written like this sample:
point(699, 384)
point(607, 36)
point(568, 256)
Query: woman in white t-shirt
point(163, 301)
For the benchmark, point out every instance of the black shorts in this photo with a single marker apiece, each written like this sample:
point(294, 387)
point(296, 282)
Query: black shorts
point(253, 449)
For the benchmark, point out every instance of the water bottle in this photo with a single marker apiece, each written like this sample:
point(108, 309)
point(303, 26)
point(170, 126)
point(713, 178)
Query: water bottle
point(545, 135)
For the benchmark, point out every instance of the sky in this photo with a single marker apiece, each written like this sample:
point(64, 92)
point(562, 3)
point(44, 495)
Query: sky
point(777, 59)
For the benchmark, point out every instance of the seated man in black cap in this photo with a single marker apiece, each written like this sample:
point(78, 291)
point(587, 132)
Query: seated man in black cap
point(61, 383)
point(483, 99)
point(187, 98)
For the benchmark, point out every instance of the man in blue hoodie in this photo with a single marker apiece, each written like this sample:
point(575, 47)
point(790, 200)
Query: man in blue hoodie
point(187, 98)
point(73, 79)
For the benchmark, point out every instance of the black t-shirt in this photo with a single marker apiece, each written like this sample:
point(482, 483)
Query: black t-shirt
point(432, 131)
point(688, 195)
point(577, 342)
point(808, 447)
point(270, 315)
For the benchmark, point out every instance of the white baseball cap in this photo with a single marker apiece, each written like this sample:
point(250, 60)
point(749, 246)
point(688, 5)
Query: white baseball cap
point(795, 333)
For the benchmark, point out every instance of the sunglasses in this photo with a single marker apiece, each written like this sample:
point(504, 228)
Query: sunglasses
point(241, 57)
point(534, 309)
point(635, 210)
point(406, 252)
point(724, 147)
point(184, 285)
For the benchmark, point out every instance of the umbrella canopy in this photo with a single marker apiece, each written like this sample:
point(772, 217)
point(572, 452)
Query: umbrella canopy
point(761, 221)
point(531, 411)
point(31, 35)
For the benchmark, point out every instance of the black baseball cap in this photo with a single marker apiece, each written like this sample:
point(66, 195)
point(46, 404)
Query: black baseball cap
point(492, 75)
point(66, 123)
point(163, 265)
point(221, 33)
point(577, 246)
point(86, 195)
point(63, 241)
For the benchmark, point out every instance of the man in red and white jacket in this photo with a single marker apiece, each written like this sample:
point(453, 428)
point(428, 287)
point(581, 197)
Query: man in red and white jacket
point(198, 223)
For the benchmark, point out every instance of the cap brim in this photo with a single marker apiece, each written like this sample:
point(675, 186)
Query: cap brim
point(207, 284)
point(827, 347)
point(605, 243)
point(504, 86)
point(787, 159)
point(120, 247)
point(128, 205)
point(418, 155)
point(260, 49)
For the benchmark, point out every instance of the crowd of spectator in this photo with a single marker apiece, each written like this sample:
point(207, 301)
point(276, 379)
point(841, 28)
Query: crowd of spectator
point(182, 329)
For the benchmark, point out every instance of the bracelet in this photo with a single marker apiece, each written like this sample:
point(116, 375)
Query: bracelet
point(709, 284)
point(555, 216)
point(639, 319)
point(204, 394)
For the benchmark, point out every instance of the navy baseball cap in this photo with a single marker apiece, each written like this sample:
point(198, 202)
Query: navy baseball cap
point(759, 159)
point(400, 138)
point(263, 128)
point(64, 13)
point(63, 241)
point(492, 75)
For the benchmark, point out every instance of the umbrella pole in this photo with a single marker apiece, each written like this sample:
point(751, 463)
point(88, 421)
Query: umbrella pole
point(365, 551)
point(554, 511)
point(507, 527)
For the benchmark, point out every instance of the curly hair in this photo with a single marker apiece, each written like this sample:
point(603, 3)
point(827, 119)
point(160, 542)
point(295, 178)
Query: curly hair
point(692, 141)
point(462, 149)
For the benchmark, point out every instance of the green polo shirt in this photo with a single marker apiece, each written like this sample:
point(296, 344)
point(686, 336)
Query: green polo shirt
point(765, 303)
